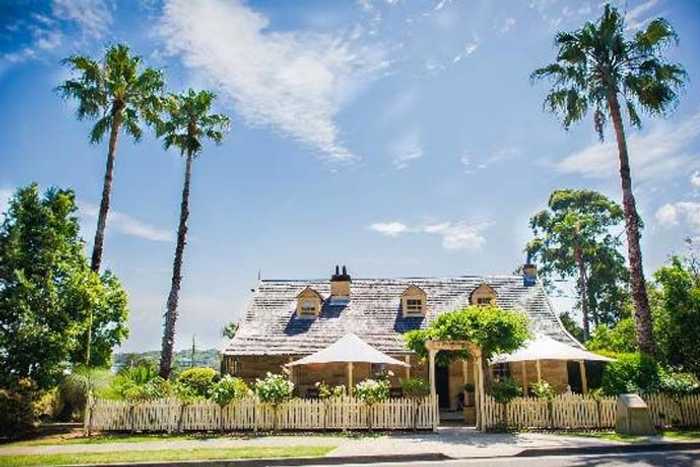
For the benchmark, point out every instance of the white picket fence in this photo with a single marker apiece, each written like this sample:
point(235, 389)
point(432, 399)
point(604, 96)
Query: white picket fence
point(170, 415)
point(564, 412)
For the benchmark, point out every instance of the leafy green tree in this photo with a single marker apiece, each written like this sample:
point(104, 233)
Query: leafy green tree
point(121, 97)
point(48, 292)
point(229, 331)
point(573, 238)
point(189, 122)
point(596, 67)
point(619, 338)
point(676, 307)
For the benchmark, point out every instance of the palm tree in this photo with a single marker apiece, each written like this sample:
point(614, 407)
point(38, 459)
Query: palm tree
point(188, 123)
point(119, 96)
point(595, 67)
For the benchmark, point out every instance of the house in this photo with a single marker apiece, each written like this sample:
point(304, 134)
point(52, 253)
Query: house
point(289, 319)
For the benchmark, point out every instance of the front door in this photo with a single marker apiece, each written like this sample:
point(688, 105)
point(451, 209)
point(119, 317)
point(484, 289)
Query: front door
point(442, 386)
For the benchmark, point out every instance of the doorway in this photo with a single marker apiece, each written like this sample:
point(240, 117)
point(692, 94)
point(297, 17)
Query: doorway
point(442, 386)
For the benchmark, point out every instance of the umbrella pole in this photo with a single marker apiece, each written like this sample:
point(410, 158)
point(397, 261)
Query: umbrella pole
point(584, 379)
point(350, 379)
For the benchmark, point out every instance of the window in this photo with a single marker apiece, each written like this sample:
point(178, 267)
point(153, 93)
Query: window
point(500, 371)
point(414, 306)
point(308, 307)
point(484, 301)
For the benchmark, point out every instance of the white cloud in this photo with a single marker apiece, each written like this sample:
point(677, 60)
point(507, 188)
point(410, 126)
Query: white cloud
point(92, 16)
point(469, 48)
point(659, 152)
point(127, 225)
point(295, 82)
point(672, 213)
point(634, 19)
point(406, 149)
point(5, 195)
point(455, 235)
point(390, 229)
point(508, 24)
point(695, 179)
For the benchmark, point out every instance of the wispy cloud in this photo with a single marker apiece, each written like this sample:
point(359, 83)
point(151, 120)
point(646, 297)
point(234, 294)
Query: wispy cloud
point(93, 17)
point(5, 195)
point(508, 24)
point(672, 214)
point(472, 164)
point(635, 18)
point(469, 48)
point(460, 235)
point(295, 82)
point(125, 224)
point(405, 149)
point(659, 152)
point(695, 179)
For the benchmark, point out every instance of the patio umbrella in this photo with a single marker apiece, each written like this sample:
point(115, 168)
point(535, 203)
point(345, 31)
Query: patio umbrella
point(348, 349)
point(545, 348)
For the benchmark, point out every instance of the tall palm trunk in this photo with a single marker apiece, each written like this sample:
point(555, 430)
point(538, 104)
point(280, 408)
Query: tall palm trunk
point(106, 189)
point(166, 355)
point(583, 288)
point(642, 316)
point(98, 244)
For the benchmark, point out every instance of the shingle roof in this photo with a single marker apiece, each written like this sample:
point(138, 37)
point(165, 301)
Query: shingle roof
point(270, 325)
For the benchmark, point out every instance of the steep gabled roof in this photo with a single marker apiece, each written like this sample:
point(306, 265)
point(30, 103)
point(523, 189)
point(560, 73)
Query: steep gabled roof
point(270, 325)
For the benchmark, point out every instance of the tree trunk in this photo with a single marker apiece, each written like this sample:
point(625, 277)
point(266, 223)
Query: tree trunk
point(166, 354)
point(583, 288)
point(98, 244)
point(642, 316)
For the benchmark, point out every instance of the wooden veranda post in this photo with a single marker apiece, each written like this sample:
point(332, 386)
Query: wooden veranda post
point(350, 379)
point(539, 372)
point(584, 377)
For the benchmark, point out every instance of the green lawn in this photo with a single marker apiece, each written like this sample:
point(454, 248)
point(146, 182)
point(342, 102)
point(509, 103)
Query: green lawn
point(612, 436)
point(167, 455)
point(115, 438)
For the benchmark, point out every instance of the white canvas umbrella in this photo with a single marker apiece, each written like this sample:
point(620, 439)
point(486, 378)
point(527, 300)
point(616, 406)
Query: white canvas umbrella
point(545, 348)
point(348, 349)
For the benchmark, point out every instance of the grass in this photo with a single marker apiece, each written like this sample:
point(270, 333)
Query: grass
point(167, 455)
point(670, 435)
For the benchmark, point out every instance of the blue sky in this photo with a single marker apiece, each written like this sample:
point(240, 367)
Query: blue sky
point(402, 138)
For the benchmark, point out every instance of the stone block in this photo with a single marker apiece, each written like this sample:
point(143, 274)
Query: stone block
point(633, 416)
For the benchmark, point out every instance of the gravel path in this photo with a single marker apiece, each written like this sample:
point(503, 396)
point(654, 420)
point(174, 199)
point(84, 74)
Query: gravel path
point(453, 442)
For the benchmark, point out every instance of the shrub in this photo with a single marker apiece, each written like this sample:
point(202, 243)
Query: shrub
point(17, 415)
point(75, 389)
point(228, 389)
point(327, 392)
point(274, 389)
point(415, 388)
point(543, 390)
point(678, 384)
point(199, 379)
point(631, 372)
point(372, 391)
point(505, 390)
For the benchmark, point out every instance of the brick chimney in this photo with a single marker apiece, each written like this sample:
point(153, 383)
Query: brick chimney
point(340, 283)
point(529, 272)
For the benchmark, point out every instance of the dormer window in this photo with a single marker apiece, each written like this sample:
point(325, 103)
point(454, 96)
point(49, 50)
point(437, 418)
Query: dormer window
point(483, 295)
point(308, 303)
point(414, 302)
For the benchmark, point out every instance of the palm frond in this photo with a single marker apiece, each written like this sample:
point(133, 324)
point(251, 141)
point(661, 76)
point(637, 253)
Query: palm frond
point(102, 126)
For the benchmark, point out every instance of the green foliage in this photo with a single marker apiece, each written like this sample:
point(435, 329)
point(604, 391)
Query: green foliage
point(676, 308)
point(228, 389)
point(114, 88)
point(327, 392)
point(47, 291)
point(679, 384)
point(415, 388)
point(210, 358)
point(372, 391)
point(200, 380)
point(491, 328)
point(16, 408)
point(505, 390)
point(573, 239)
point(631, 372)
point(76, 387)
point(571, 326)
point(620, 338)
point(543, 390)
point(229, 331)
point(274, 389)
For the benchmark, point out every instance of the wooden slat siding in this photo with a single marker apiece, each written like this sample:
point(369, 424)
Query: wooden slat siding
point(248, 414)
